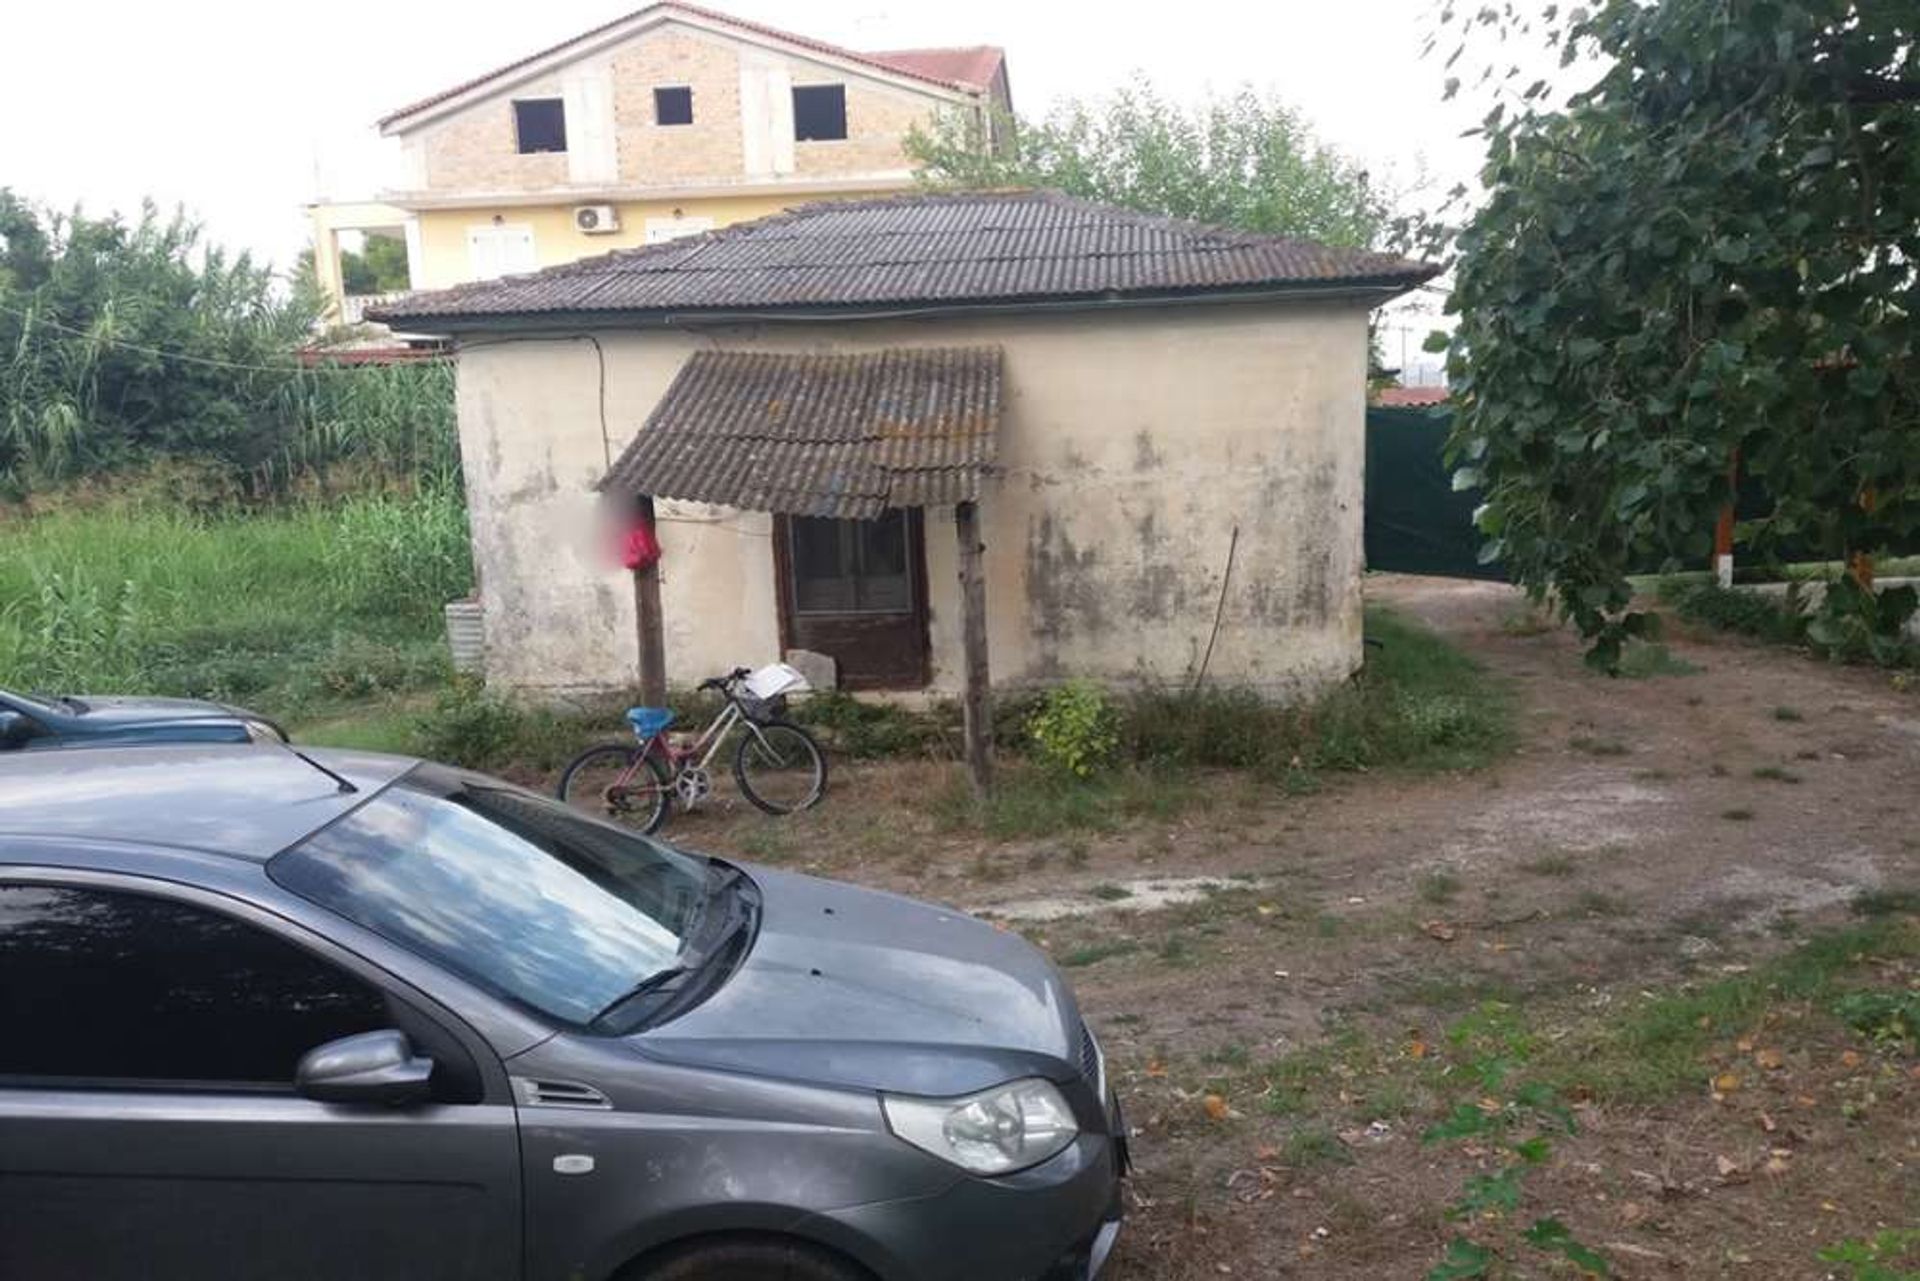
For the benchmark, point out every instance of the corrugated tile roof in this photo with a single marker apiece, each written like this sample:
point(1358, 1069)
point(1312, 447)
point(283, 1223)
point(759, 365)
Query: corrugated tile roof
point(820, 435)
point(975, 65)
point(913, 251)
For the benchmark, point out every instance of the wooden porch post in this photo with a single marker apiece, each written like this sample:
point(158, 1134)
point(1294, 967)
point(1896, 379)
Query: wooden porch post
point(976, 703)
point(646, 614)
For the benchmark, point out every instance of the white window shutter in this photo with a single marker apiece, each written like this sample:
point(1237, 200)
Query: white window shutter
point(483, 253)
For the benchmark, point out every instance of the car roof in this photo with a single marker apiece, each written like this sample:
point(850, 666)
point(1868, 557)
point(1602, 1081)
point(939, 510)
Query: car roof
point(244, 799)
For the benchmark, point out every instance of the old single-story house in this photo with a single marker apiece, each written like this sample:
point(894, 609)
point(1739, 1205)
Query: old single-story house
point(1152, 431)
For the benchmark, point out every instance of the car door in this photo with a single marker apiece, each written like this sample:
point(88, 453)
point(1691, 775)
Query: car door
point(149, 1126)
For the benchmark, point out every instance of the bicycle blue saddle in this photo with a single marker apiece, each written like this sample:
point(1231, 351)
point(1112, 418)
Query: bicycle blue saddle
point(648, 721)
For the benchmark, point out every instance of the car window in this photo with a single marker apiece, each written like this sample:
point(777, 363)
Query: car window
point(112, 986)
point(519, 894)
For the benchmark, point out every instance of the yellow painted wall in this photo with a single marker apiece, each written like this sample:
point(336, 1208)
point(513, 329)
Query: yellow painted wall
point(443, 232)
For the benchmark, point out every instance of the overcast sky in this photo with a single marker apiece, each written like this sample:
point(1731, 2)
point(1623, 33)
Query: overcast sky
point(245, 111)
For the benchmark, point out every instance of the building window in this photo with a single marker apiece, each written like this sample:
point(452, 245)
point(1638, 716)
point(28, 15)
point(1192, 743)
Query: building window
point(673, 106)
point(850, 566)
point(540, 124)
point(819, 112)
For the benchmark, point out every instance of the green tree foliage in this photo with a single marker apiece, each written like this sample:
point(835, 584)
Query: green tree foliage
point(127, 341)
point(1242, 161)
point(1707, 254)
point(380, 267)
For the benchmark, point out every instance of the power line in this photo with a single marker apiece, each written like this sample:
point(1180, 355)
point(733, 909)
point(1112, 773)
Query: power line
point(211, 362)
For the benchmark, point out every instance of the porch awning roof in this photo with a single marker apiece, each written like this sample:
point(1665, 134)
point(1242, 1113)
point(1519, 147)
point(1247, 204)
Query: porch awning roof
point(820, 435)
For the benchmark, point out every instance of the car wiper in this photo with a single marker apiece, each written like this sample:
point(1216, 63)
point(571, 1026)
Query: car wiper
point(658, 981)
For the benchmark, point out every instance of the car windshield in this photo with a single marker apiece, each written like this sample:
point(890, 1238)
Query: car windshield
point(514, 892)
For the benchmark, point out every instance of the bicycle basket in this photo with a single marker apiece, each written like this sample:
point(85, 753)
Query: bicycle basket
point(762, 710)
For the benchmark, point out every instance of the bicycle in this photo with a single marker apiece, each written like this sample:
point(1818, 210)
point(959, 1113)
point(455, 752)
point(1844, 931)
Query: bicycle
point(777, 765)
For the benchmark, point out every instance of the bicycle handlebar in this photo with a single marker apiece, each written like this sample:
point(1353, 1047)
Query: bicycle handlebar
point(721, 682)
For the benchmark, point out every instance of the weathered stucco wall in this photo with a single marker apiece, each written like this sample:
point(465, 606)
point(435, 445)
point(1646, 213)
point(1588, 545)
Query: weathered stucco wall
point(1133, 445)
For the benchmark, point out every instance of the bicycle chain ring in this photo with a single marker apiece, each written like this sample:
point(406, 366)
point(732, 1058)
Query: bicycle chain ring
point(693, 785)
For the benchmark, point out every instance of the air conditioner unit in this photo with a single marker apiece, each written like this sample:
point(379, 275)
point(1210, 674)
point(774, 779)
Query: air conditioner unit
point(596, 220)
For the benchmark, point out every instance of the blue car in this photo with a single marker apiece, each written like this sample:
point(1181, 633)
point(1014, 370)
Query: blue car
point(66, 721)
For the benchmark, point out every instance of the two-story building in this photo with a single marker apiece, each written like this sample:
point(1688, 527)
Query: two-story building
point(667, 122)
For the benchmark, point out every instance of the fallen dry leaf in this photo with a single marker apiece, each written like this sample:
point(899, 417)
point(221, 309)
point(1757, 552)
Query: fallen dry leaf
point(1440, 930)
point(1416, 1048)
point(1726, 1083)
point(1156, 1068)
point(1770, 1060)
point(1727, 1166)
point(1216, 1107)
point(1767, 1123)
point(1850, 1059)
point(1744, 1045)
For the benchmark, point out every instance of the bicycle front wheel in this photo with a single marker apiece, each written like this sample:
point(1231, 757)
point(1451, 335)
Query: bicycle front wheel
point(615, 781)
point(779, 767)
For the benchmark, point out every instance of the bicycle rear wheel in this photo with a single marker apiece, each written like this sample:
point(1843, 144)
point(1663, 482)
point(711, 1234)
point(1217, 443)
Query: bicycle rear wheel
point(779, 767)
point(616, 782)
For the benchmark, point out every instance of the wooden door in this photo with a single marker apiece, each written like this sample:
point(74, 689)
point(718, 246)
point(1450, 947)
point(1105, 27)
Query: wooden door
point(856, 590)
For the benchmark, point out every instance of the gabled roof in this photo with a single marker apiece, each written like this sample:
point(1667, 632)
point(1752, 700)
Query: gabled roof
point(928, 72)
point(921, 251)
point(820, 435)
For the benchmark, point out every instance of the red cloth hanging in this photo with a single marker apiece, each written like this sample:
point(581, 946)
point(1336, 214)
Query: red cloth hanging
point(640, 548)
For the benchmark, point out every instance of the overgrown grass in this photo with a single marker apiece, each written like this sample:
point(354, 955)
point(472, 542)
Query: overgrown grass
point(1660, 1045)
point(1784, 619)
point(1418, 704)
point(287, 608)
point(1645, 660)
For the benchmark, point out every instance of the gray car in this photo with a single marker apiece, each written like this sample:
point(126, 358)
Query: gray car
point(343, 1016)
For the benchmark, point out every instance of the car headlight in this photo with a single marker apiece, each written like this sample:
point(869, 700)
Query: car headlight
point(997, 1131)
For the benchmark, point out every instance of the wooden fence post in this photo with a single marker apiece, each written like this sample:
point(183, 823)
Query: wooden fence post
point(976, 704)
point(647, 621)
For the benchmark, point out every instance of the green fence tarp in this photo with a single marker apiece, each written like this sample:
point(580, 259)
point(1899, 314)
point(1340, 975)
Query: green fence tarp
point(1416, 523)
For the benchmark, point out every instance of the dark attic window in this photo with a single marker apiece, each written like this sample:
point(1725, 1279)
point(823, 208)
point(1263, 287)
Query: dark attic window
point(540, 124)
point(673, 106)
point(819, 112)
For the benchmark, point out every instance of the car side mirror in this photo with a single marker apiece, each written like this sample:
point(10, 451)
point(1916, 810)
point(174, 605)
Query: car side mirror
point(15, 728)
point(372, 1067)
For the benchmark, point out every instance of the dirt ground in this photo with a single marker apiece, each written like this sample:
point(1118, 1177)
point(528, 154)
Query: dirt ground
point(1283, 1028)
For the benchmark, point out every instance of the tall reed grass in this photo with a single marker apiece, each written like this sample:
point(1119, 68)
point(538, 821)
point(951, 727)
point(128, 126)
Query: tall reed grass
point(161, 599)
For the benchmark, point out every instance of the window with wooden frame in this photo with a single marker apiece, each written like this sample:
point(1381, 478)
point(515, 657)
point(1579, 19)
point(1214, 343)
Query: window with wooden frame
point(851, 566)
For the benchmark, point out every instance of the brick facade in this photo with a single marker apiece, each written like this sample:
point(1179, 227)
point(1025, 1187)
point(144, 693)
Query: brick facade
point(474, 150)
point(878, 118)
point(709, 149)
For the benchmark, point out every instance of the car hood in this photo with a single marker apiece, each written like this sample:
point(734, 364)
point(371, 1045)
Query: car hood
point(858, 988)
